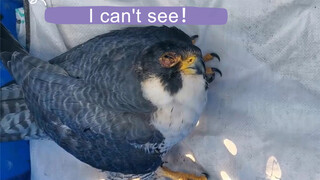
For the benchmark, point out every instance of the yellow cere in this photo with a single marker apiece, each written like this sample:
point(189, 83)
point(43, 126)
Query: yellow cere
point(224, 175)
point(232, 148)
point(273, 170)
point(136, 179)
point(190, 156)
point(185, 64)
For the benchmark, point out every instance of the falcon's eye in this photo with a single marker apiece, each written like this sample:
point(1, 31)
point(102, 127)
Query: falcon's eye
point(169, 59)
point(168, 56)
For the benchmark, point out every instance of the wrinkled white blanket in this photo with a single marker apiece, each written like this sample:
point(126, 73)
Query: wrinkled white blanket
point(262, 120)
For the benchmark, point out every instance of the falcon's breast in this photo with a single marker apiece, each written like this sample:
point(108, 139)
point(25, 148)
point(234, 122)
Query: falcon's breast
point(177, 114)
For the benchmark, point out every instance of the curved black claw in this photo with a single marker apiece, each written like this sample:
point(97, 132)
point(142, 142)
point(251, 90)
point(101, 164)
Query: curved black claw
point(215, 55)
point(209, 79)
point(206, 175)
point(217, 70)
point(194, 37)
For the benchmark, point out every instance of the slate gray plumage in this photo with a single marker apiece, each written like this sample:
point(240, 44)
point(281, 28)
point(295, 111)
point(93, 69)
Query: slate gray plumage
point(89, 99)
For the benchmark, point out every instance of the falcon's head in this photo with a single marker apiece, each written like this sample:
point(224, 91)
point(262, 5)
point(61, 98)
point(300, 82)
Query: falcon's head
point(169, 61)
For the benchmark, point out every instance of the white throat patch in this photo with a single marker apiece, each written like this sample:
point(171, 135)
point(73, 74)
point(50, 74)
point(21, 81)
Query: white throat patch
point(177, 115)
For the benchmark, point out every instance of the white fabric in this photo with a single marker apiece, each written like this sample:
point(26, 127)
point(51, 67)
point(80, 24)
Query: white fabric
point(267, 102)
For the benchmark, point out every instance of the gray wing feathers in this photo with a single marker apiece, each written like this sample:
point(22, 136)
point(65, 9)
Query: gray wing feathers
point(21, 65)
point(73, 103)
point(124, 85)
point(72, 113)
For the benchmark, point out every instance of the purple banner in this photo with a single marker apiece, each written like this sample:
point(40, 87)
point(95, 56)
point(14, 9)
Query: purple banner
point(136, 15)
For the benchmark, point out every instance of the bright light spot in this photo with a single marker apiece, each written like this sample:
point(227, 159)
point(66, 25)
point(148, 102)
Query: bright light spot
point(136, 179)
point(190, 156)
point(232, 148)
point(198, 123)
point(224, 175)
point(44, 3)
point(273, 170)
point(33, 1)
point(102, 179)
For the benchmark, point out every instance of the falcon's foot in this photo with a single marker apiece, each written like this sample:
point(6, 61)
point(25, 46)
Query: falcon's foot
point(166, 172)
point(210, 56)
point(211, 74)
point(211, 71)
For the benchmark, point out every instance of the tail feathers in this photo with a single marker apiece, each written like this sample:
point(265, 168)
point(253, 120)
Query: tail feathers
point(11, 91)
point(12, 106)
point(16, 122)
point(19, 126)
point(11, 100)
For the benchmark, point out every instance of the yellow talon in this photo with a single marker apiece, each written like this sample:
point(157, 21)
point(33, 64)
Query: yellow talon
point(210, 56)
point(209, 70)
point(207, 57)
point(166, 172)
point(194, 39)
point(212, 70)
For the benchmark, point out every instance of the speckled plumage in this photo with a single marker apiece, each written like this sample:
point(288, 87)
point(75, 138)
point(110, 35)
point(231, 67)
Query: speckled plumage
point(89, 100)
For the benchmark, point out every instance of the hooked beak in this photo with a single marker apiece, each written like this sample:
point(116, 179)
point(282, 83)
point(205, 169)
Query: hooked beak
point(200, 66)
point(193, 66)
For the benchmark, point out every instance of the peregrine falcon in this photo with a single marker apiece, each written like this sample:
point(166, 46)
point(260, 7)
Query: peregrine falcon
point(117, 102)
